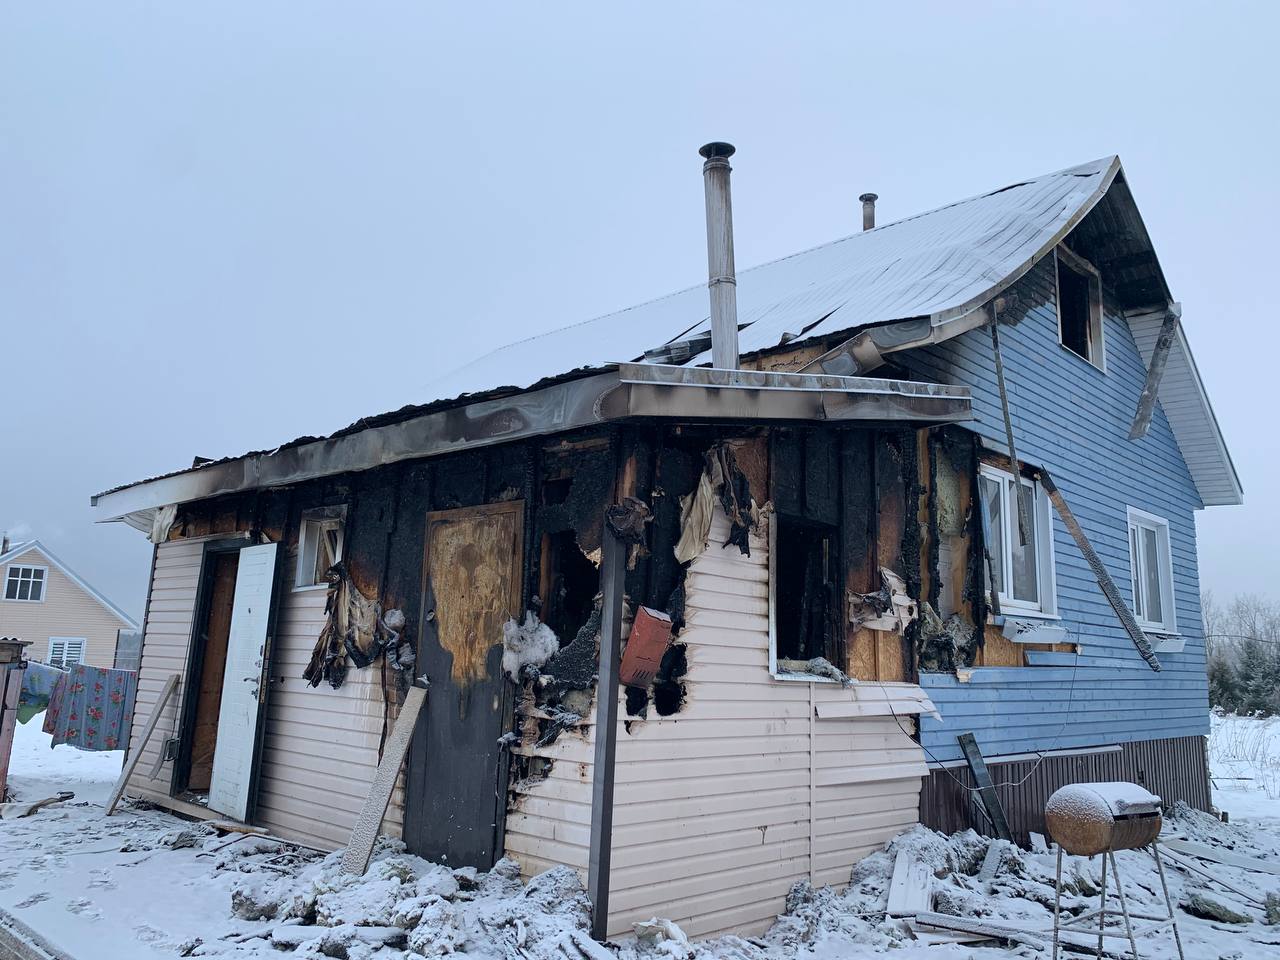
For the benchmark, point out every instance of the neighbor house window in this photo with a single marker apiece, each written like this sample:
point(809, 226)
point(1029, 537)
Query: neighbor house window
point(25, 583)
point(319, 545)
point(1020, 573)
point(1079, 306)
point(804, 570)
point(65, 651)
point(1151, 571)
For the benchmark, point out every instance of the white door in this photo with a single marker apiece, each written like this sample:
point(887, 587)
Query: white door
point(233, 753)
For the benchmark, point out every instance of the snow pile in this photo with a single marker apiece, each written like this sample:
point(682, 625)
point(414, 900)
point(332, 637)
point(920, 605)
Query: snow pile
point(37, 771)
point(406, 903)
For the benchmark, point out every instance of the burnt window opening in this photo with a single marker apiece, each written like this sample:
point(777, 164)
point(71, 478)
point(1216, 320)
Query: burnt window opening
point(1079, 306)
point(805, 590)
point(556, 491)
point(569, 584)
point(668, 690)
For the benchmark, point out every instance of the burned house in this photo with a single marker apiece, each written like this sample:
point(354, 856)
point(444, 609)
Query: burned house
point(708, 600)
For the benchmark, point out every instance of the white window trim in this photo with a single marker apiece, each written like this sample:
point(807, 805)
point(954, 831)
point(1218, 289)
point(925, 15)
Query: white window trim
point(312, 522)
point(64, 641)
point(1164, 556)
point(1097, 335)
point(44, 582)
point(1047, 607)
point(773, 617)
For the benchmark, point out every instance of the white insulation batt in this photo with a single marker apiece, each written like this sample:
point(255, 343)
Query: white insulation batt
point(721, 807)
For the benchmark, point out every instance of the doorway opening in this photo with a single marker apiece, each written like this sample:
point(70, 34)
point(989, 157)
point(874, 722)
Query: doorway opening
point(206, 670)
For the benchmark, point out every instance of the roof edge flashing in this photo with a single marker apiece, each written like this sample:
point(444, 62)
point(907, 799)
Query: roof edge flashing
point(633, 391)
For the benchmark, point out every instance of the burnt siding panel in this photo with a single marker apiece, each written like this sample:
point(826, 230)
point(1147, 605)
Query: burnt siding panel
point(1074, 419)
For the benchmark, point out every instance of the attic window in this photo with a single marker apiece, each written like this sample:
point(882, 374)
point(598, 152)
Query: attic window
point(25, 583)
point(319, 545)
point(1079, 306)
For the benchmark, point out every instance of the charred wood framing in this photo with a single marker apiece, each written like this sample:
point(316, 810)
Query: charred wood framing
point(1155, 372)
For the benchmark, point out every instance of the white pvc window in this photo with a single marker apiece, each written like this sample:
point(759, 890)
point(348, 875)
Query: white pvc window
point(25, 583)
point(1023, 573)
point(1151, 571)
point(65, 651)
point(319, 548)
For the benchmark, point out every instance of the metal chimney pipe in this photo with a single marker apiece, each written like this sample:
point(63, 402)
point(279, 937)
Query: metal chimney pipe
point(868, 210)
point(721, 282)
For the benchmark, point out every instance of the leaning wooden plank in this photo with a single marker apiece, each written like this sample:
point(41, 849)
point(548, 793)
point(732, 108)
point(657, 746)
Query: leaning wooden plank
point(942, 921)
point(986, 789)
point(1218, 855)
point(152, 722)
point(1105, 583)
point(910, 888)
point(1191, 866)
point(1155, 372)
point(933, 938)
point(365, 831)
point(898, 886)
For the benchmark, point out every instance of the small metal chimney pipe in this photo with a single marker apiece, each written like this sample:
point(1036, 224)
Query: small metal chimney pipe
point(721, 281)
point(868, 210)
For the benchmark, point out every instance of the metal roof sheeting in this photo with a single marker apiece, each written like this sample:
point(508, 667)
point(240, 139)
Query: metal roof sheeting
point(937, 264)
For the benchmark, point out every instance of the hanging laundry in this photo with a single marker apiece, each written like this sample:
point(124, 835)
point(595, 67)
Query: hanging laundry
point(38, 682)
point(92, 708)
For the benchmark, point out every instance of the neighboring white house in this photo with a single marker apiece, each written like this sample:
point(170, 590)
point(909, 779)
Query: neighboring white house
point(44, 601)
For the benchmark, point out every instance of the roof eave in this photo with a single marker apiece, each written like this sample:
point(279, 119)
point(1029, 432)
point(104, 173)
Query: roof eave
point(631, 390)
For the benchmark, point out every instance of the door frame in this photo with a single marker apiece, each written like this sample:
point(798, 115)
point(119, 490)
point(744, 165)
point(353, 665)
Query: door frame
point(417, 758)
point(195, 662)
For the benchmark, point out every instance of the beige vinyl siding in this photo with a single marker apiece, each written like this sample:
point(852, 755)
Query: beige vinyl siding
point(320, 746)
point(320, 749)
point(66, 611)
point(175, 581)
point(721, 807)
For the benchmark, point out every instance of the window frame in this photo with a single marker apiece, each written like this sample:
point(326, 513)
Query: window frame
point(1065, 256)
point(773, 616)
point(1142, 520)
point(310, 526)
point(1046, 606)
point(44, 582)
point(62, 664)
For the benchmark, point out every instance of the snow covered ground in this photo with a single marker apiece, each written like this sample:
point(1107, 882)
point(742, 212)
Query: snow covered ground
point(1244, 756)
point(145, 884)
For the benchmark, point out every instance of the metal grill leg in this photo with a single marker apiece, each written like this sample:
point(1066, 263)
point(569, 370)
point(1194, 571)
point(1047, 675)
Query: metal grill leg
point(1124, 904)
point(1168, 904)
point(1102, 906)
point(1057, 902)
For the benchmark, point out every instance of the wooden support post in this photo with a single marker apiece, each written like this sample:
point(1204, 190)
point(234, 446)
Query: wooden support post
point(613, 569)
point(1155, 372)
point(365, 832)
point(986, 789)
point(1107, 585)
point(152, 722)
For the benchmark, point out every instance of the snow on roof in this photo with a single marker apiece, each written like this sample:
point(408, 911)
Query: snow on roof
point(938, 264)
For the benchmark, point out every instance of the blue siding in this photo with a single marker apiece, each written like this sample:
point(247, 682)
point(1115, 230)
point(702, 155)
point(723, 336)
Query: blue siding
point(1074, 420)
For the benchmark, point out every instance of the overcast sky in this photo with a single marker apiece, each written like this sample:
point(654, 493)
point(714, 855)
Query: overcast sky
point(226, 225)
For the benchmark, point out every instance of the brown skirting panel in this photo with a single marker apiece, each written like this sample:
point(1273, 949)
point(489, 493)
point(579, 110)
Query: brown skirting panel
point(1175, 769)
